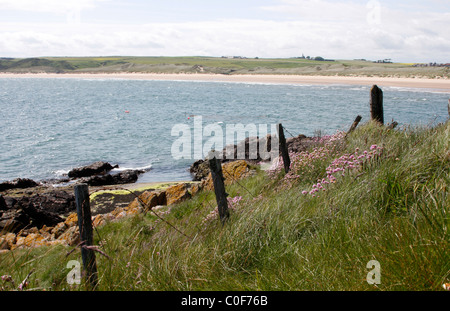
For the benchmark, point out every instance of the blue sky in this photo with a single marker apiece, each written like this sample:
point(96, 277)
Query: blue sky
point(406, 31)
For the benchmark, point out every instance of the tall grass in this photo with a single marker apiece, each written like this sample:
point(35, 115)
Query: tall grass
point(392, 207)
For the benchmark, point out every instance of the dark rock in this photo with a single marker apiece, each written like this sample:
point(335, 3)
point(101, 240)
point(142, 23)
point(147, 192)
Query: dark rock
point(58, 201)
point(3, 206)
point(19, 183)
point(14, 221)
point(125, 177)
point(26, 212)
point(299, 143)
point(98, 180)
point(40, 217)
point(90, 170)
point(199, 170)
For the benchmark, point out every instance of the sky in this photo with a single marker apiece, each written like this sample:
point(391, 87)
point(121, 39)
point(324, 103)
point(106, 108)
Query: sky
point(404, 31)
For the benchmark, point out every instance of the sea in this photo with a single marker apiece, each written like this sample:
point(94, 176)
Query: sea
point(49, 126)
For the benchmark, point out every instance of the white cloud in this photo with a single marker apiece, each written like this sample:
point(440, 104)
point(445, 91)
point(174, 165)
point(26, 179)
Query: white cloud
point(331, 29)
point(49, 6)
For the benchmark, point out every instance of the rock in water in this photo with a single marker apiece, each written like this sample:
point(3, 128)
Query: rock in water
point(125, 177)
point(96, 168)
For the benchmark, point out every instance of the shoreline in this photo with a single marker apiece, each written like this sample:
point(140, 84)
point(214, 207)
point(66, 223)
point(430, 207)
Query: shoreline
point(441, 85)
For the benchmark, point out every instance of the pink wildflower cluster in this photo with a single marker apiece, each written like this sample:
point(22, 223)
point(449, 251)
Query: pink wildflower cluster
point(233, 204)
point(304, 161)
point(303, 164)
point(343, 165)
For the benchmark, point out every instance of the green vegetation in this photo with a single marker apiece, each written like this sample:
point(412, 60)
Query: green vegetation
point(377, 194)
point(218, 66)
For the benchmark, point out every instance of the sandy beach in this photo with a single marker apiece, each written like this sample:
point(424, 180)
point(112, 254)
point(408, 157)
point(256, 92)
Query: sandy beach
point(441, 85)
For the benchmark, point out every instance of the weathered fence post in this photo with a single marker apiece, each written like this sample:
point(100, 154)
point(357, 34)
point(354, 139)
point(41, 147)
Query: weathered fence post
point(283, 148)
point(448, 107)
point(215, 166)
point(355, 124)
point(85, 226)
point(376, 104)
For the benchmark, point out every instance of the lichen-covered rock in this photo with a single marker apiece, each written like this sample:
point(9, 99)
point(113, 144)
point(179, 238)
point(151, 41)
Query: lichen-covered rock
point(10, 239)
point(58, 230)
point(178, 193)
point(232, 172)
point(100, 219)
point(31, 240)
point(71, 220)
point(70, 237)
point(147, 200)
point(195, 188)
point(3, 243)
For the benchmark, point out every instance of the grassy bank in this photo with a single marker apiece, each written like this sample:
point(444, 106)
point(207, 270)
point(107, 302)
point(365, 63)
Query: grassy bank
point(377, 194)
point(216, 65)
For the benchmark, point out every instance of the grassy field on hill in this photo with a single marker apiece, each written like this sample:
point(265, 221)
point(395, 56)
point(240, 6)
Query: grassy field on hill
point(217, 65)
point(377, 194)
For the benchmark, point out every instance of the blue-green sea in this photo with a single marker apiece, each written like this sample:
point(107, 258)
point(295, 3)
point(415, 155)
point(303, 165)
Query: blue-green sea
point(48, 126)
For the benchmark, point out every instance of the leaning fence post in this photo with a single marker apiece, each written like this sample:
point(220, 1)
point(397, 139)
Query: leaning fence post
point(283, 148)
point(85, 227)
point(215, 166)
point(355, 124)
point(376, 104)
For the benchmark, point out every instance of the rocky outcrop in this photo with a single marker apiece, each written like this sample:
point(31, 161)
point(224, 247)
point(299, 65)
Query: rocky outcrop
point(125, 177)
point(232, 172)
point(44, 209)
point(98, 174)
point(248, 150)
point(21, 214)
point(145, 201)
point(19, 183)
point(97, 168)
point(177, 194)
point(199, 170)
point(65, 231)
point(300, 143)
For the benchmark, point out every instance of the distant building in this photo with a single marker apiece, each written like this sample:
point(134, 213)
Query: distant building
point(384, 61)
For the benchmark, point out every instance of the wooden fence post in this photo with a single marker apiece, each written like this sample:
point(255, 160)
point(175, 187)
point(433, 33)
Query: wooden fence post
point(355, 124)
point(283, 148)
point(448, 107)
point(85, 226)
point(376, 104)
point(215, 166)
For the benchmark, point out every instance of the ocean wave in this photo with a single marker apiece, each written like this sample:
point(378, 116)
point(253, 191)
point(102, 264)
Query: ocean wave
point(61, 172)
point(142, 168)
